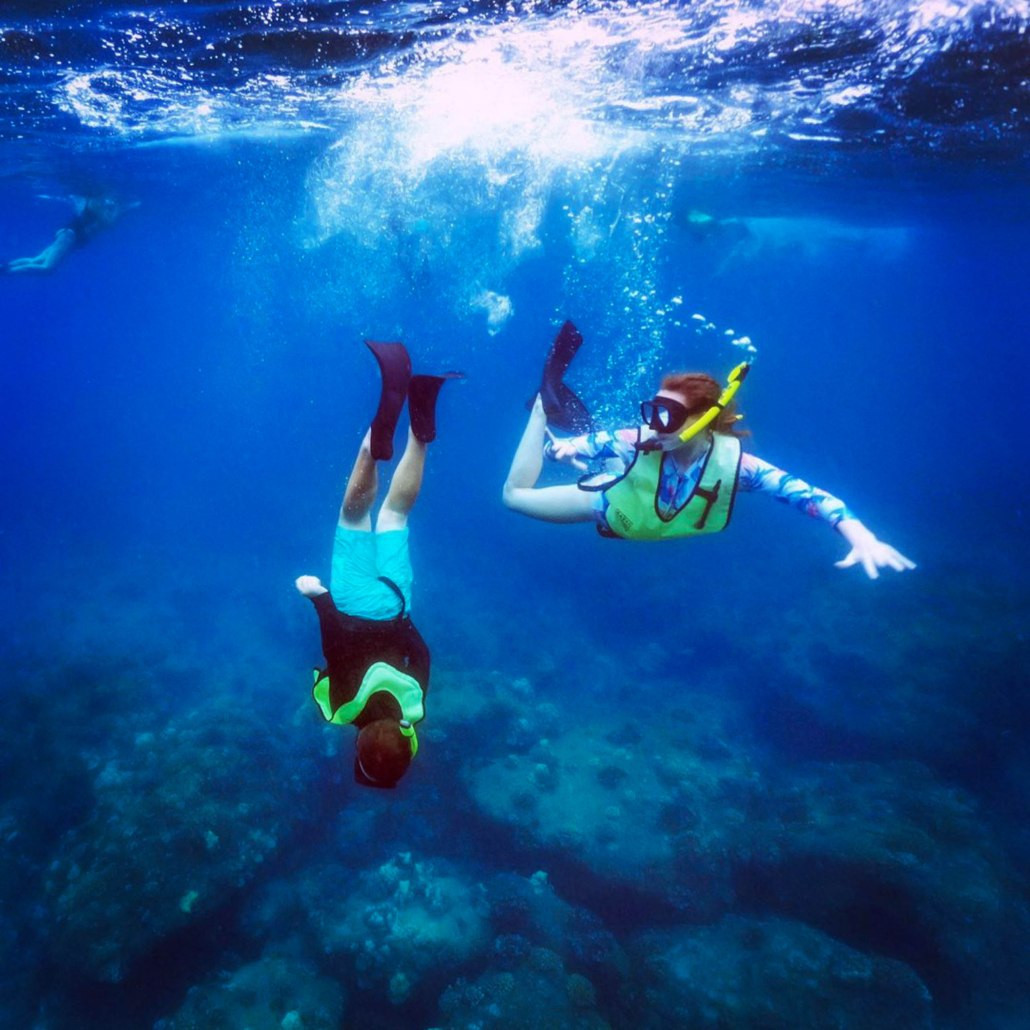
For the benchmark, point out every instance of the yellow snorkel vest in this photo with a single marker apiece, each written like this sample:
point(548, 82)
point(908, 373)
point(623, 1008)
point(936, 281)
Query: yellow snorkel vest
point(632, 509)
point(404, 689)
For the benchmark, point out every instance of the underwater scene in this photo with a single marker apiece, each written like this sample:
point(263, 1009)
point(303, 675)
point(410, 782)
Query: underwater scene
point(652, 781)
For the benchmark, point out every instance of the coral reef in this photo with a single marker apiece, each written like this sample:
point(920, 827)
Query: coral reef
point(397, 924)
point(772, 973)
point(880, 855)
point(540, 838)
point(527, 912)
point(183, 819)
point(668, 819)
point(271, 994)
point(903, 863)
point(536, 994)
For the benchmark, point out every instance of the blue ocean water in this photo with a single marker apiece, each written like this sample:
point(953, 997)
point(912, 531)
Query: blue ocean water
point(705, 783)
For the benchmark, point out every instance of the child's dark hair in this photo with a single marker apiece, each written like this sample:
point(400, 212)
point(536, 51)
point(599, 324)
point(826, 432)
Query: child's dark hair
point(383, 751)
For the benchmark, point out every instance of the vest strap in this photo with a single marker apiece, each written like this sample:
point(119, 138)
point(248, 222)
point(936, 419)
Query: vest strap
point(709, 497)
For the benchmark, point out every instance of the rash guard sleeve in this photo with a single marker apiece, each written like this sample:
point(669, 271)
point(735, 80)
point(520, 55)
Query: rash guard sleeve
point(604, 445)
point(758, 476)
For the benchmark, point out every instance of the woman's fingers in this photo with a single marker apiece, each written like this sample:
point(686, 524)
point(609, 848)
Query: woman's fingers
point(874, 558)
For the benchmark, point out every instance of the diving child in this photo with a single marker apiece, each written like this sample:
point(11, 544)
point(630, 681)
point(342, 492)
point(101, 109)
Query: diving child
point(377, 664)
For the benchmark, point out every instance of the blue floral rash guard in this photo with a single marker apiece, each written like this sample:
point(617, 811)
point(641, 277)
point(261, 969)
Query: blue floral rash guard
point(756, 476)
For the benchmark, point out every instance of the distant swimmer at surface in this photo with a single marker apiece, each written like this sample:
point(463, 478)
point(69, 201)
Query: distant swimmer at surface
point(92, 216)
point(676, 475)
point(377, 672)
point(758, 238)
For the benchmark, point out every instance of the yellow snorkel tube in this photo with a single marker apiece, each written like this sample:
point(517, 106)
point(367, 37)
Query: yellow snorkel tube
point(733, 384)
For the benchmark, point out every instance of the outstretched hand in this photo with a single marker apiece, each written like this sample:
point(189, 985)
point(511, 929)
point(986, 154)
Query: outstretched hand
point(871, 553)
point(562, 450)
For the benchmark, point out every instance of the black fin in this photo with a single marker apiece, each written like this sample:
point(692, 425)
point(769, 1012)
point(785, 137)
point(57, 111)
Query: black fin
point(563, 350)
point(564, 409)
point(422, 394)
point(395, 369)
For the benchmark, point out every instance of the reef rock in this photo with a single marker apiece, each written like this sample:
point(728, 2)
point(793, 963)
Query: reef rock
point(183, 818)
point(666, 809)
point(272, 994)
point(537, 994)
point(771, 973)
point(886, 855)
point(398, 924)
point(526, 912)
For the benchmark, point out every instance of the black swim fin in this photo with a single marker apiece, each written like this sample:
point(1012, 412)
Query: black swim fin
point(564, 409)
point(422, 394)
point(395, 369)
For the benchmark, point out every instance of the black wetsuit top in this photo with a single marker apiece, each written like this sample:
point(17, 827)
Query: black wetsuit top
point(351, 644)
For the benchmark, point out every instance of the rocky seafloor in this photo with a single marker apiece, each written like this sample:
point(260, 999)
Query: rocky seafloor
point(184, 847)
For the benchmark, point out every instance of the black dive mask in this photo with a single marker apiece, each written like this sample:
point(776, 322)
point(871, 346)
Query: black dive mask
point(663, 414)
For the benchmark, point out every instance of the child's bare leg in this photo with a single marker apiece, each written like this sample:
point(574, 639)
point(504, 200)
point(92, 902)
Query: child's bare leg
point(361, 490)
point(404, 486)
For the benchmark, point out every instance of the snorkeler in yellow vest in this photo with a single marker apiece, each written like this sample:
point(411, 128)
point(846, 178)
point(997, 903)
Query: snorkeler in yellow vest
point(676, 475)
point(377, 672)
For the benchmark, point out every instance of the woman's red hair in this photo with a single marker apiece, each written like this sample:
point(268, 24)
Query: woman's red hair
point(701, 392)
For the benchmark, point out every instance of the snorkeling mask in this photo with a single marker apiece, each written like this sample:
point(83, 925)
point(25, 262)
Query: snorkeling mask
point(663, 414)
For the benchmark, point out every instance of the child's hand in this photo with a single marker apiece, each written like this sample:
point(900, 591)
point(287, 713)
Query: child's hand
point(310, 586)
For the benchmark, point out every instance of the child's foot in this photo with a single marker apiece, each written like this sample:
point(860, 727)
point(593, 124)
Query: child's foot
point(310, 586)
